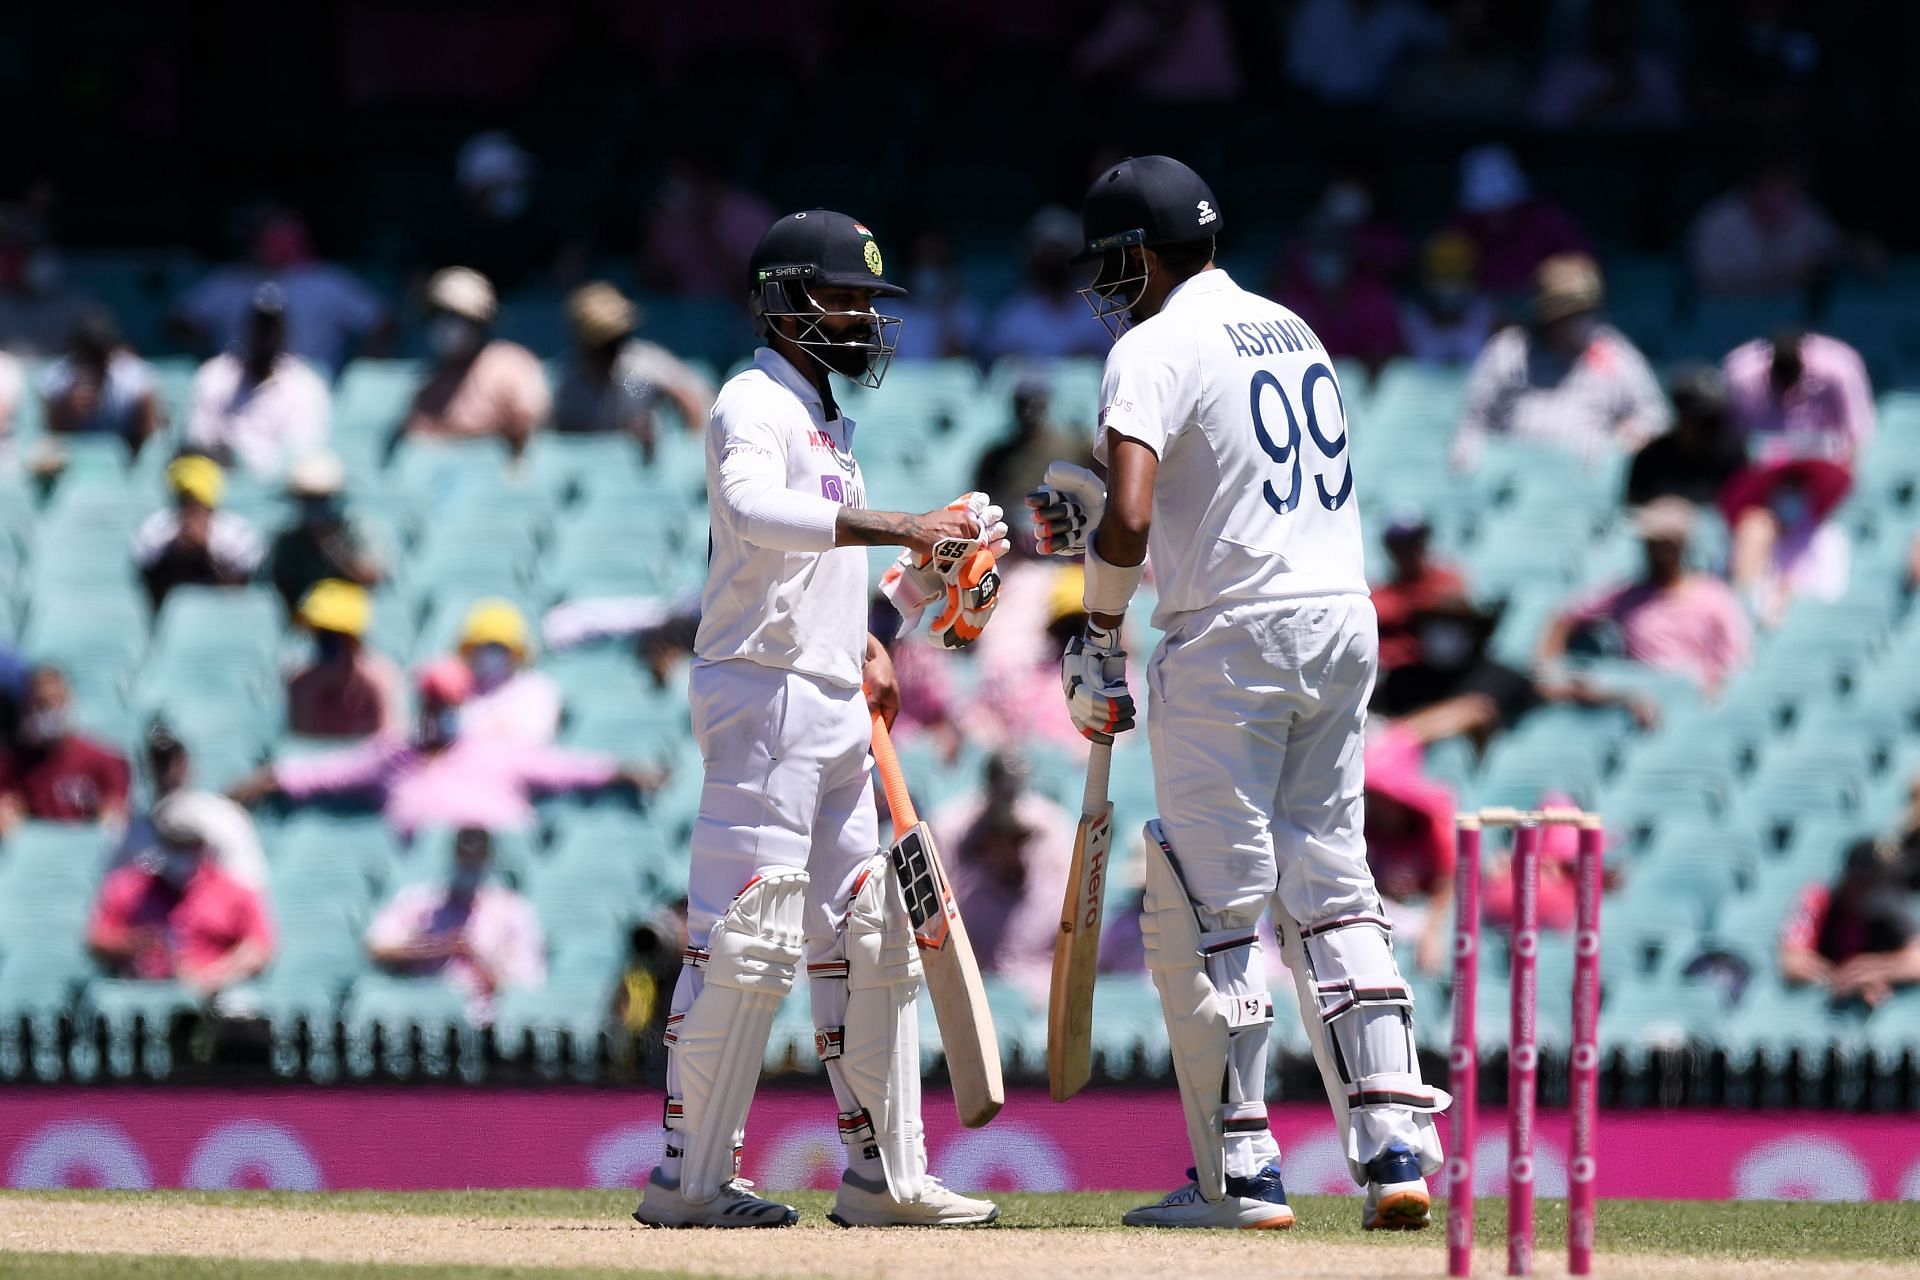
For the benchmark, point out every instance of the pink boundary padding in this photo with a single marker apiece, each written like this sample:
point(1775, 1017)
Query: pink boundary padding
point(435, 1137)
point(1523, 1060)
point(1463, 1061)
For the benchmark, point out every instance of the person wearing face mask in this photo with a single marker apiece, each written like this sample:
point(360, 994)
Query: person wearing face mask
point(1044, 319)
point(1567, 380)
point(346, 690)
point(616, 382)
point(260, 406)
point(1672, 618)
point(439, 776)
point(176, 913)
point(1351, 311)
point(939, 318)
point(474, 931)
point(100, 387)
point(509, 699)
point(223, 826)
point(53, 773)
point(1449, 319)
point(194, 543)
point(480, 386)
point(321, 542)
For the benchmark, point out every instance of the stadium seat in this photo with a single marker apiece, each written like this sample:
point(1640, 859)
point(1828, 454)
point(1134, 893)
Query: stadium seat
point(404, 1025)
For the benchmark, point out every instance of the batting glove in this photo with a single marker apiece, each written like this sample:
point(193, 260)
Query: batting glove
point(1066, 508)
point(959, 578)
point(1094, 675)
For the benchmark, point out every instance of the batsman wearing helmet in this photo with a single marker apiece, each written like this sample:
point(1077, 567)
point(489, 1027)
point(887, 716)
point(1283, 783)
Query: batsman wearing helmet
point(786, 857)
point(1223, 439)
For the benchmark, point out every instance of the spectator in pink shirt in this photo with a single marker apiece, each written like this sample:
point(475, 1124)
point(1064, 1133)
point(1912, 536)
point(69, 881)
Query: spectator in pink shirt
point(1804, 408)
point(480, 386)
point(1512, 229)
point(347, 690)
point(176, 914)
point(441, 777)
point(1008, 847)
point(510, 700)
point(480, 935)
point(1672, 619)
point(1352, 311)
point(1857, 937)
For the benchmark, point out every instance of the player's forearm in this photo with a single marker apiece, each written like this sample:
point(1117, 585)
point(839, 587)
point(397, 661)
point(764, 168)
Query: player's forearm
point(857, 527)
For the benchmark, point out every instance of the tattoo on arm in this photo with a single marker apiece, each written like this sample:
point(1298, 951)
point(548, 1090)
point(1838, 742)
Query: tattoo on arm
point(857, 527)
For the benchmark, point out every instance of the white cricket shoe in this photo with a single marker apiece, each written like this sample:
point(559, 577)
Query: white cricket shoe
point(1397, 1198)
point(662, 1205)
point(1258, 1203)
point(866, 1202)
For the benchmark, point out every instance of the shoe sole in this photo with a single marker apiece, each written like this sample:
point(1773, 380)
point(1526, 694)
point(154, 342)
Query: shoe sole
point(838, 1221)
point(1401, 1211)
point(788, 1219)
point(1273, 1222)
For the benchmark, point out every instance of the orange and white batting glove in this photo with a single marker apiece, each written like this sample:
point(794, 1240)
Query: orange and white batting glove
point(1093, 672)
point(958, 580)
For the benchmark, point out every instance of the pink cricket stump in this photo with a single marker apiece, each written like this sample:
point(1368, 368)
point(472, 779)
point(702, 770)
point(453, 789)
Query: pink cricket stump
point(1523, 1057)
point(1584, 1067)
point(1463, 1062)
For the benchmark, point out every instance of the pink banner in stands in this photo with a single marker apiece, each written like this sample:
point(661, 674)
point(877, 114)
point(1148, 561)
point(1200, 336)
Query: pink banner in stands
point(428, 1137)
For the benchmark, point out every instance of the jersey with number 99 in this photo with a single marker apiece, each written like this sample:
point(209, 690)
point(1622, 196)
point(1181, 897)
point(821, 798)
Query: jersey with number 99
point(1254, 497)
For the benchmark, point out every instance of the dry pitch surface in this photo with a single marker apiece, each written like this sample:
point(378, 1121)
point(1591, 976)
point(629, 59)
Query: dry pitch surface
point(518, 1235)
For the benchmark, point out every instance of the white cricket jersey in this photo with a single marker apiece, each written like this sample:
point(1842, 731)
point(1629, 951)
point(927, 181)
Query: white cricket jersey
point(779, 592)
point(1254, 496)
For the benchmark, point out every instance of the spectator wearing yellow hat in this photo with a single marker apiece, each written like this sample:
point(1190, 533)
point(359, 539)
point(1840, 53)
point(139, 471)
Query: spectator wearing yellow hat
point(322, 541)
point(194, 542)
point(1449, 319)
point(346, 690)
point(616, 381)
point(510, 702)
point(480, 385)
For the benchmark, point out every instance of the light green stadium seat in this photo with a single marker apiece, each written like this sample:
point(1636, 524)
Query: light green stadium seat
point(37, 989)
point(389, 1012)
point(435, 471)
point(429, 860)
point(121, 1010)
point(1128, 1024)
point(223, 623)
point(1774, 1020)
point(372, 396)
point(602, 838)
point(1637, 1020)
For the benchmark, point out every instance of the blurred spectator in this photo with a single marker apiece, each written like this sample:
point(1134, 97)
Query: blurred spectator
point(1476, 76)
point(510, 700)
point(656, 950)
point(1046, 318)
point(193, 543)
point(1009, 848)
point(1804, 408)
point(1351, 311)
point(214, 822)
point(1568, 379)
point(13, 385)
point(1161, 50)
point(940, 320)
point(1559, 884)
point(441, 777)
point(1513, 230)
point(480, 935)
point(329, 312)
point(1347, 51)
point(1010, 708)
point(616, 381)
point(1449, 320)
point(1409, 834)
point(504, 225)
point(260, 406)
point(321, 543)
point(37, 311)
point(99, 387)
point(1765, 236)
point(346, 690)
point(1418, 585)
point(1857, 937)
point(1346, 212)
point(480, 385)
point(1757, 64)
point(1700, 454)
point(1016, 462)
point(1671, 619)
point(53, 774)
point(1617, 82)
point(176, 913)
point(13, 692)
point(702, 230)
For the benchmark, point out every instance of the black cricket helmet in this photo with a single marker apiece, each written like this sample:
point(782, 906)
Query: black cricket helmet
point(821, 249)
point(1143, 201)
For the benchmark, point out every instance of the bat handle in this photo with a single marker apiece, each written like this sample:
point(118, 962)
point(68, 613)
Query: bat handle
point(1099, 765)
point(892, 780)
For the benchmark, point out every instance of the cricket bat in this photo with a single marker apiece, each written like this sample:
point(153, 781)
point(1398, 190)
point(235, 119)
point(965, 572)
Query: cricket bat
point(953, 975)
point(1076, 952)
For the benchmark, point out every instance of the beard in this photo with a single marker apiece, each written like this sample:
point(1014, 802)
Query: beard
point(848, 362)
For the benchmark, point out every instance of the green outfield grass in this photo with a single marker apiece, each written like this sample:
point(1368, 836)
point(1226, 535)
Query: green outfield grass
point(1774, 1230)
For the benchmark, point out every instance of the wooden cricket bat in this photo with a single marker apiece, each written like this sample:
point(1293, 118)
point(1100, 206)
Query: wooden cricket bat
point(953, 975)
point(1076, 952)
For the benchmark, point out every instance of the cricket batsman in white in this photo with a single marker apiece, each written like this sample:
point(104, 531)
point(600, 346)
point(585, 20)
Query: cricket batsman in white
point(786, 856)
point(1223, 440)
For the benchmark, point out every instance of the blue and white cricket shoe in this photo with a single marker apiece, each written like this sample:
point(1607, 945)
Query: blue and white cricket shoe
point(1397, 1197)
point(662, 1205)
point(1257, 1203)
